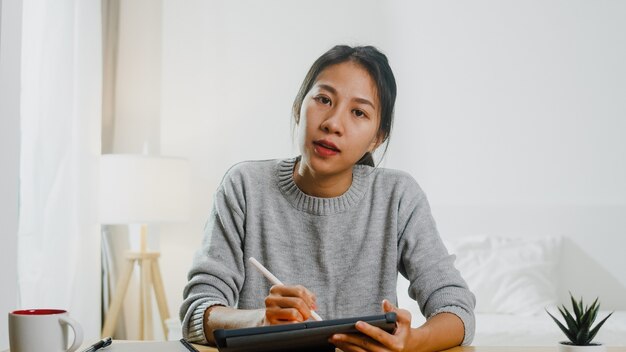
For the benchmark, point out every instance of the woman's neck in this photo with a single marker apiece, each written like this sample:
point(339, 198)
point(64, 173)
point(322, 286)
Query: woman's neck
point(321, 186)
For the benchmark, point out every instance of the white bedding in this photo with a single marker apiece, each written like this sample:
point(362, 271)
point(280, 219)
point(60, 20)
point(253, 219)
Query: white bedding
point(540, 330)
point(536, 330)
point(513, 280)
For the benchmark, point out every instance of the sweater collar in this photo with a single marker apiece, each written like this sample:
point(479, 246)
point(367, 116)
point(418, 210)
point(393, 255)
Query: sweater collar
point(316, 205)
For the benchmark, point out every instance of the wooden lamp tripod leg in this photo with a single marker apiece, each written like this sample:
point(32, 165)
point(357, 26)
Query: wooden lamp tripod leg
point(116, 304)
point(146, 299)
point(159, 293)
point(150, 277)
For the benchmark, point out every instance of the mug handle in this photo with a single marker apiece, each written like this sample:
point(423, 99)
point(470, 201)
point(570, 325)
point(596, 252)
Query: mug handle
point(78, 332)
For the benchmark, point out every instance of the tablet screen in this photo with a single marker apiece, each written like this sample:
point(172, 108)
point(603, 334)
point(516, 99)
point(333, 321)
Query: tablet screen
point(307, 336)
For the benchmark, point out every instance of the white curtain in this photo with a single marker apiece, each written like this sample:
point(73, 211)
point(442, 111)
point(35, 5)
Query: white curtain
point(59, 234)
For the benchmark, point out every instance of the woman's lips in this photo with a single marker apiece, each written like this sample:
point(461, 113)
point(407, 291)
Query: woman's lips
point(324, 150)
point(327, 144)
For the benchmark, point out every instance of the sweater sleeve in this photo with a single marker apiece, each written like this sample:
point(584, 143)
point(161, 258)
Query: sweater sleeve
point(435, 283)
point(217, 272)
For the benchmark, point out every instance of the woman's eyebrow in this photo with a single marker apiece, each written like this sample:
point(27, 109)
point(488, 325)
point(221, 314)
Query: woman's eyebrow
point(328, 88)
point(334, 91)
point(364, 101)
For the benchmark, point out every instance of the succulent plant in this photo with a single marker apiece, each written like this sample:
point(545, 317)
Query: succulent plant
point(578, 329)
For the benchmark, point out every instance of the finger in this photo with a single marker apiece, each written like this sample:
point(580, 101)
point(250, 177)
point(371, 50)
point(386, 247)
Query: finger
point(377, 334)
point(388, 306)
point(346, 347)
point(288, 302)
point(276, 316)
point(356, 342)
point(295, 291)
point(403, 316)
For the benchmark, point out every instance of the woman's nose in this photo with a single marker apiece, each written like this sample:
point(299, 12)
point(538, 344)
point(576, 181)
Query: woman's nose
point(332, 123)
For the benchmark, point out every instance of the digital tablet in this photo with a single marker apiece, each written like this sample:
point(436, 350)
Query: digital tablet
point(307, 336)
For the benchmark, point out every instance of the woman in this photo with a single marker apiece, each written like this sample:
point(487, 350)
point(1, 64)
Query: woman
point(333, 227)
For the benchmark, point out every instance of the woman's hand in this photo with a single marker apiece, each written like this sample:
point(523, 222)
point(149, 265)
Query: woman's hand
point(288, 304)
point(403, 339)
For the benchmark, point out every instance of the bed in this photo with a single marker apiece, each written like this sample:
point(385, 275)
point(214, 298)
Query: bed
point(515, 279)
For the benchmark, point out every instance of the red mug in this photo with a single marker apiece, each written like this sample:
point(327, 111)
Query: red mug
point(34, 330)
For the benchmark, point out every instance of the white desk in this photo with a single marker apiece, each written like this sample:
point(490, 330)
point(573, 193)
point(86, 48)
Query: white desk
point(202, 348)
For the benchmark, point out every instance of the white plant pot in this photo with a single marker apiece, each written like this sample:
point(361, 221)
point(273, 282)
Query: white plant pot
point(572, 348)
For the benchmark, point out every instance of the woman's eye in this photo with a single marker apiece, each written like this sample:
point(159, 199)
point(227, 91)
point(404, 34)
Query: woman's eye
point(359, 113)
point(323, 100)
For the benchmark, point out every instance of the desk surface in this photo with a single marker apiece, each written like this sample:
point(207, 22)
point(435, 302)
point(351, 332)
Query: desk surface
point(202, 348)
point(475, 349)
point(520, 349)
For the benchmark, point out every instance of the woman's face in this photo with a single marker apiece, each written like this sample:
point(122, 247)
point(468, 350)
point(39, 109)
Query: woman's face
point(339, 119)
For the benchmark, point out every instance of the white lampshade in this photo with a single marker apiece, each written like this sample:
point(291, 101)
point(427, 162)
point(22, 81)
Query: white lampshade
point(139, 189)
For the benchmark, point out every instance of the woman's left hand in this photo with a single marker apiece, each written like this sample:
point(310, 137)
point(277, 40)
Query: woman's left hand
point(377, 340)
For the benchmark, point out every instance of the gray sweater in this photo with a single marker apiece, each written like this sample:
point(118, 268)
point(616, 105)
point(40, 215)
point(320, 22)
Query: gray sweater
point(347, 250)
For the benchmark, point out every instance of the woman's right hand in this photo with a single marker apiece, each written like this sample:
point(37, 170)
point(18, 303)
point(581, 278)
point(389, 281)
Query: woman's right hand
point(288, 304)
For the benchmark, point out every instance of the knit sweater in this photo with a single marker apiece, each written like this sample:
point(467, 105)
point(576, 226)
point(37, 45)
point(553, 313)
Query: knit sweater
point(347, 250)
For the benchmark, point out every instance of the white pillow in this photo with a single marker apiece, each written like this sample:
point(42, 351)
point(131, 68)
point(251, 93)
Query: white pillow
point(509, 275)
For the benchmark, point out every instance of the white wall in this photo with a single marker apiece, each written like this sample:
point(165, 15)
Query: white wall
point(524, 99)
point(509, 113)
point(10, 34)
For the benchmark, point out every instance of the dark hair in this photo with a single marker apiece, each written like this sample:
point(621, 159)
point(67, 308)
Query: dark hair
point(376, 64)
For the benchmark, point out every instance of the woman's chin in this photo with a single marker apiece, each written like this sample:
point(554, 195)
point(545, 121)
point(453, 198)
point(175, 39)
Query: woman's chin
point(325, 166)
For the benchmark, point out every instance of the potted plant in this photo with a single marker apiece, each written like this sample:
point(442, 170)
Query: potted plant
point(578, 329)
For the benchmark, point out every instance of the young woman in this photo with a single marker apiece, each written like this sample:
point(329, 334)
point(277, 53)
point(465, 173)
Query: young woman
point(334, 228)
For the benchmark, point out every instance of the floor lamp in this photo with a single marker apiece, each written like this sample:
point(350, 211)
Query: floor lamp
point(142, 190)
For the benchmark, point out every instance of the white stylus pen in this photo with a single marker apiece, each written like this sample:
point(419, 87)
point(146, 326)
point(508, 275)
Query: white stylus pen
point(274, 280)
